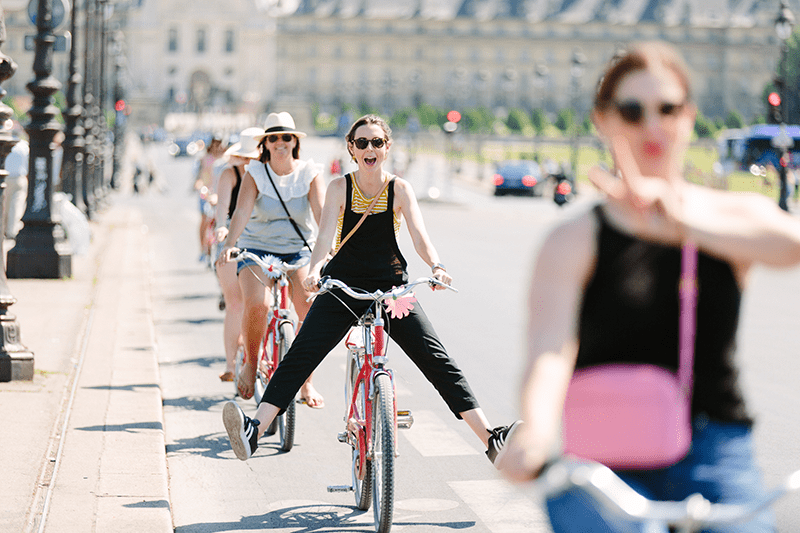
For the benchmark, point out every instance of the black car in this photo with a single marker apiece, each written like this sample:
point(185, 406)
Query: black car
point(519, 177)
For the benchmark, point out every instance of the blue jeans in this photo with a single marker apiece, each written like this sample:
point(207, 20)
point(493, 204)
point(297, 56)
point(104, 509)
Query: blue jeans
point(719, 466)
point(292, 258)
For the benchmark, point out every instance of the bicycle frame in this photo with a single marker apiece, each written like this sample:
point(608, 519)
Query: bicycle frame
point(359, 425)
point(280, 313)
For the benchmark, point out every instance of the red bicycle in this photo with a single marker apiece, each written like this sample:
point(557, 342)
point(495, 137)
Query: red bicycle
point(371, 415)
point(277, 340)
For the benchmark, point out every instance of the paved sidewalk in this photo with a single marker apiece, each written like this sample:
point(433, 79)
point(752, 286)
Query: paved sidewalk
point(83, 443)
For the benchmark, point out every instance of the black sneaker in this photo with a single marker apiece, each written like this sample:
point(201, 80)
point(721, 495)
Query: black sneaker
point(497, 440)
point(242, 430)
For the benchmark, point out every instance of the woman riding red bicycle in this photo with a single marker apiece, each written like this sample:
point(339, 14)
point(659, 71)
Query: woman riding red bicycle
point(369, 259)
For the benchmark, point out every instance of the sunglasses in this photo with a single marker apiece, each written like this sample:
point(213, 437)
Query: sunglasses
point(287, 138)
point(632, 111)
point(362, 142)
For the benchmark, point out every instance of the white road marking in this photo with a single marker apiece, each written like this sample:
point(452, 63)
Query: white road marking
point(503, 508)
point(431, 437)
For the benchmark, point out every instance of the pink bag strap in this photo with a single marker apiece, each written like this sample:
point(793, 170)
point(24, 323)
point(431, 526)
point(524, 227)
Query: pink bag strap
point(688, 315)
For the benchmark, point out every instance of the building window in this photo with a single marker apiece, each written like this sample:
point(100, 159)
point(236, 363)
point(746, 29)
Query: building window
point(172, 44)
point(229, 42)
point(201, 41)
point(420, 55)
point(172, 71)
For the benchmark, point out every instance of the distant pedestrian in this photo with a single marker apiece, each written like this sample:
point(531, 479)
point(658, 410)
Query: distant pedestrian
point(16, 194)
point(204, 185)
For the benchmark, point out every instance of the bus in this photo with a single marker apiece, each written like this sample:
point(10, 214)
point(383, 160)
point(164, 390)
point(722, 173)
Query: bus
point(740, 149)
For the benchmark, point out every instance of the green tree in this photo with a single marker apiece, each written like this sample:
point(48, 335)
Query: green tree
point(566, 120)
point(477, 120)
point(734, 120)
point(430, 116)
point(540, 121)
point(518, 121)
point(703, 126)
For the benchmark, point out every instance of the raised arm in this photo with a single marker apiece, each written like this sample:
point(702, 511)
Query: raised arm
point(746, 228)
point(244, 208)
point(225, 185)
point(408, 207)
point(333, 207)
point(563, 268)
point(316, 197)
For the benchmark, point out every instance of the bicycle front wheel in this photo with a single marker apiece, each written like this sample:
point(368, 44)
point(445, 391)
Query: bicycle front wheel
point(383, 453)
point(286, 421)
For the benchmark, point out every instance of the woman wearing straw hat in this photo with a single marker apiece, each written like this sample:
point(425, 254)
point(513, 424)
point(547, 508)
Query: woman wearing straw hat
point(228, 185)
point(279, 203)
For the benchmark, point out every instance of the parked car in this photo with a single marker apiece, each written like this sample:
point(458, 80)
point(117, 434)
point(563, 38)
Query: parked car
point(519, 177)
point(189, 145)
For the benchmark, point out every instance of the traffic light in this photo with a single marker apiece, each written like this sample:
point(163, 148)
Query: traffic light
point(774, 108)
point(451, 125)
point(119, 105)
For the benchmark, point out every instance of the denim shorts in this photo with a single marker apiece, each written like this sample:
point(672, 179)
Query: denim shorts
point(720, 466)
point(296, 257)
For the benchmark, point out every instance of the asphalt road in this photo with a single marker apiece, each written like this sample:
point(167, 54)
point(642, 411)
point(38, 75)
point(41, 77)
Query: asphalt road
point(444, 480)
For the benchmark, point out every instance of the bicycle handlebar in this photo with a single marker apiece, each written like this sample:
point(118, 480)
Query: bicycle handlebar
point(617, 497)
point(270, 264)
point(327, 284)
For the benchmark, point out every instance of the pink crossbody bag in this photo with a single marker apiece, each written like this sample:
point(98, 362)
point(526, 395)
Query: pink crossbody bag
point(637, 416)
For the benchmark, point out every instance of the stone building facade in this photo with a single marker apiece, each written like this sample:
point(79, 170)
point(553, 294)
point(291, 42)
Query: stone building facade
point(252, 56)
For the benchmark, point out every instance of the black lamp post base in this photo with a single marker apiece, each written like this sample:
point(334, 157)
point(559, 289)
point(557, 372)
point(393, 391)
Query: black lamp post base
point(16, 361)
point(40, 252)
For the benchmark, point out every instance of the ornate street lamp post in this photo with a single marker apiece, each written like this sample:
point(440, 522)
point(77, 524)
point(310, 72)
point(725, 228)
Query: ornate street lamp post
point(784, 24)
point(41, 250)
point(72, 165)
point(89, 80)
point(16, 361)
point(576, 73)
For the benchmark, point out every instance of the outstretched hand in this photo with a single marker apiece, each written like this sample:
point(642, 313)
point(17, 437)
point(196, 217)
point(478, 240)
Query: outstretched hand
point(652, 205)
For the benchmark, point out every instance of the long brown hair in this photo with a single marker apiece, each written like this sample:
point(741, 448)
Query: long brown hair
point(641, 56)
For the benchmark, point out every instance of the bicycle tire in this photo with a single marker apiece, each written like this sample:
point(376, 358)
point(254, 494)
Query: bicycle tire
point(286, 421)
point(262, 380)
point(383, 453)
point(362, 487)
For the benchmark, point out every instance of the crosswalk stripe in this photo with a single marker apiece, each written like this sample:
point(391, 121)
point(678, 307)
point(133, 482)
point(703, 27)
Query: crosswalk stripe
point(503, 508)
point(431, 437)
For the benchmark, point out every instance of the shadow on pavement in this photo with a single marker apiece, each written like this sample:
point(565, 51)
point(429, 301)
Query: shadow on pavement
point(308, 518)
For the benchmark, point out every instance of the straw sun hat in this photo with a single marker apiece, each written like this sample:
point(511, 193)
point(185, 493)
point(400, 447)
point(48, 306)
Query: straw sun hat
point(248, 145)
point(280, 123)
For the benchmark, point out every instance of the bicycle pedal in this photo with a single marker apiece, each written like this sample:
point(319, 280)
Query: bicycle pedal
point(404, 419)
point(342, 437)
point(340, 488)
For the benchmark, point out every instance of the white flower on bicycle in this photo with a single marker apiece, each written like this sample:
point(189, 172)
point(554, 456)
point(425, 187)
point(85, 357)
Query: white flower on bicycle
point(400, 307)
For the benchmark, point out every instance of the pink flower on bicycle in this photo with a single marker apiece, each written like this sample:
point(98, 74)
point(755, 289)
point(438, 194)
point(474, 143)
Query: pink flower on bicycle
point(400, 307)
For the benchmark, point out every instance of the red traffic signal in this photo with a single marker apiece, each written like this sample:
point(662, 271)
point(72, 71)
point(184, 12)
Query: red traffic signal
point(774, 99)
point(119, 105)
point(453, 116)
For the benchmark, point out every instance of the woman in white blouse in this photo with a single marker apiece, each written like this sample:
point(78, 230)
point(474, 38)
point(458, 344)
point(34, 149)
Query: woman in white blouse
point(279, 204)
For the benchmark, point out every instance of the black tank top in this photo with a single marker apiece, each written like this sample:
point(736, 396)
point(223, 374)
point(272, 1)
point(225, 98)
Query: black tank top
point(234, 192)
point(630, 313)
point(370, 259)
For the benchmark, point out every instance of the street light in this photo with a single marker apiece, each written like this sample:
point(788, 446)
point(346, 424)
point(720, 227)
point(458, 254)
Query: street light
point(784, 25)
point(576, 72)
point(72, 162)
point(16, 361)
point(540, 74)
point(41, 250)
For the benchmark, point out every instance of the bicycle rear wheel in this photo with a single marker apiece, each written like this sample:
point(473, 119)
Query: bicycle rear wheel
point(383, 453)
point(286, 421)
